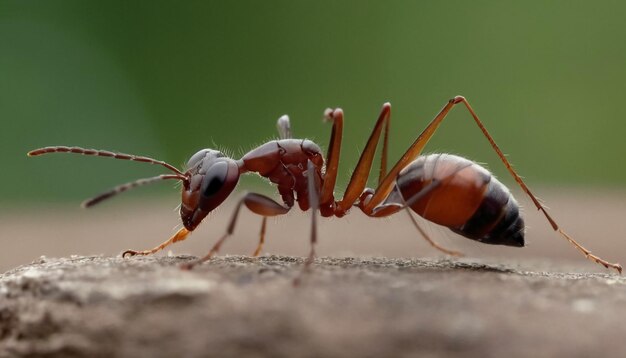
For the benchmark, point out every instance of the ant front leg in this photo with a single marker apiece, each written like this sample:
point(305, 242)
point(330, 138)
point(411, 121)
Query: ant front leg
point(179, 236)
point(258, 204)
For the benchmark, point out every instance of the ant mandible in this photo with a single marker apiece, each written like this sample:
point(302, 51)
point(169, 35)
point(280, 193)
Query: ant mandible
point(446, 189)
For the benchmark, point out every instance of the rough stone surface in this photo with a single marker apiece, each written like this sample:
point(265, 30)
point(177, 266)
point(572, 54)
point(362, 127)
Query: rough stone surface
point(240, 306)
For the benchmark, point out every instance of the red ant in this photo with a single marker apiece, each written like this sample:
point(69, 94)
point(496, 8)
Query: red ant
point(445, 189)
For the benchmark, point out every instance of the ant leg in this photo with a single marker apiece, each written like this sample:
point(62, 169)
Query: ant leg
point(538, 204)
point(407, 204)
point(431, 241)
point(332, 156)
point(419, 195)
point(416, 148)
point(179, 236)
point(361, 172)
point(398, 203)
point(258, 204)
point(386, 185)
point(284, 127)
point(384, 153)
point(314, 203)
point(334, 149)
point(261, 238)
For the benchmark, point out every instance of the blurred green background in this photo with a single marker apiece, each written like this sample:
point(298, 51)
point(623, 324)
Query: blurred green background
point(166, 78)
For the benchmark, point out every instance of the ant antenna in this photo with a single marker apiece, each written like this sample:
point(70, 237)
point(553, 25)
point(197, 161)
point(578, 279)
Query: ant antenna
point(124, 187)
point(103, 153)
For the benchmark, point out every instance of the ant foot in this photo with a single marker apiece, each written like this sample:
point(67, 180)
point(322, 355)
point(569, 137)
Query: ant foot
point(131, 253)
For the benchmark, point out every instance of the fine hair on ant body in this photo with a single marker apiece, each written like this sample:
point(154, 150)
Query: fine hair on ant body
point(446, 189)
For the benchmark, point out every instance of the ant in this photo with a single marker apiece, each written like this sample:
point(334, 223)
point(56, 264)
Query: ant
point(445, 189)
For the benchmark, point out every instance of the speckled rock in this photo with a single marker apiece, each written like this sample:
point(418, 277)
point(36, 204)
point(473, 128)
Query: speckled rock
point(241, 306)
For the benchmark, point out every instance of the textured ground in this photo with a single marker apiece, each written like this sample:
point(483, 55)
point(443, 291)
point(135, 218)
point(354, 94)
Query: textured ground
point(148, 307)
point(541, 300)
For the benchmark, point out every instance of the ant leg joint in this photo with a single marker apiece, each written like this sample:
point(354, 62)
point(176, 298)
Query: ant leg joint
point(365, 197)
point(457, 99)
point(330, 114)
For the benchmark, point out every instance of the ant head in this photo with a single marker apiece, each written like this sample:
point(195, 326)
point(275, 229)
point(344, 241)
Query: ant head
point(212, 177)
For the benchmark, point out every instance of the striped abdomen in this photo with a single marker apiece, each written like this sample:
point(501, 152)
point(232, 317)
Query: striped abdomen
point(467, 199)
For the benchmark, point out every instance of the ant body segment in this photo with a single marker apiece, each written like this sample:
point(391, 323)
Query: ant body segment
point(446, 189)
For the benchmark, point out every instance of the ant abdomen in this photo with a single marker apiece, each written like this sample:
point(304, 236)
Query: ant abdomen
point(467, 198)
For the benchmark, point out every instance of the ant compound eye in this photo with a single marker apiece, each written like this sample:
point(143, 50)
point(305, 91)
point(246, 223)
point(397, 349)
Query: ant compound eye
point(218, 179)
point(214, 179)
